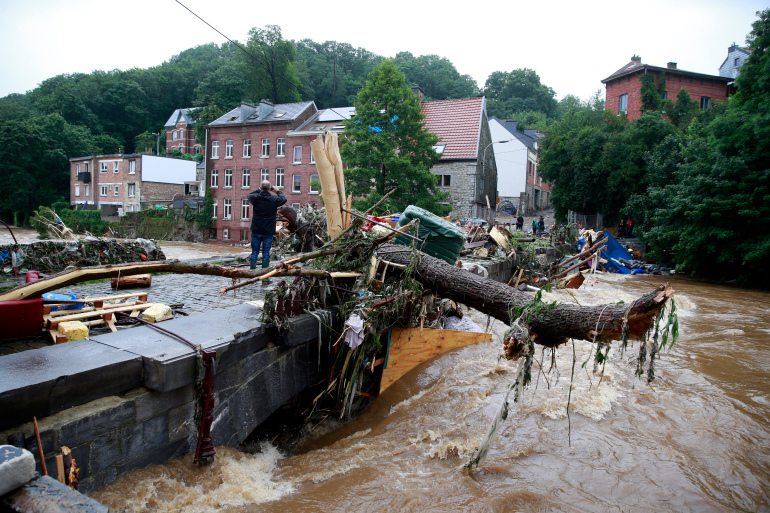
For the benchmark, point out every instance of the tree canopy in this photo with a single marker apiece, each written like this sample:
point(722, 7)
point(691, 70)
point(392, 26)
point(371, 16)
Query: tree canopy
point(386, 145)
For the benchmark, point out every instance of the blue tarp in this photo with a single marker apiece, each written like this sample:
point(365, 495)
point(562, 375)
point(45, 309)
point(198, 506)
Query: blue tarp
point(613, 253)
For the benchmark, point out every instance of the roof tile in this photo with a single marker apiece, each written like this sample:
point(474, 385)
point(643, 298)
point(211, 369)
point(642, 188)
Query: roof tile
point(457, 123)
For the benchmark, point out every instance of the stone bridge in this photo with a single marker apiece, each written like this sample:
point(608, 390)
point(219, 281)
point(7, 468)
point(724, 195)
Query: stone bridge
point(125, 400)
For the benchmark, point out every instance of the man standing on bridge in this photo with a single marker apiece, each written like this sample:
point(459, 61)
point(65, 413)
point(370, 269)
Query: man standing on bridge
point(265, 207)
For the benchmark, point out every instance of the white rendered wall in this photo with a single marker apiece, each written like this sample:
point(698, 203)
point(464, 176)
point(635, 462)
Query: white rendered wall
point(167, 170)
point(511, 161)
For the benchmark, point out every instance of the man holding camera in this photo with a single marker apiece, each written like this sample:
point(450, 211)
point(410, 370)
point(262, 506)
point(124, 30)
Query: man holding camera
point(265, 207)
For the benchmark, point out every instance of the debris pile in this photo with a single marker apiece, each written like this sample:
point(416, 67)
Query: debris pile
point(52, 256)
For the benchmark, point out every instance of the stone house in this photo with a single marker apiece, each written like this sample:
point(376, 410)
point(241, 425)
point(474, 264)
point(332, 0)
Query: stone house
point(180, 133)
point(119, 183)
point(249, 144)
point(623, 88)
point(467, 168)
point(520, 185)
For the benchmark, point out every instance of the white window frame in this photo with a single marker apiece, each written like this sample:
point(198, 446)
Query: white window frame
point(247, 148)
point(77, 189)
point(115, 167)
point(131, 167)
point(265, 149)
point(227, 210)
point(86, 191)
point(295, 206)
point(102, 191)
point(173, 135)
point(85, 169)
point(228, 178)
point(131, 190)
point(244, 210)
point(280, 147)
point(297, 155)
point(296, 187)
point(214, 212)
point(77, 168)
point(229, 149)
point(264, 174)
point(225, 234)
point(116, 190)
point(215, 178)
point(314, 191)
point(312, 157)
point(280, 175)
point(181, 135)
point(102, 168)
point(623, 98)
point(246, 179)
point(214, 149)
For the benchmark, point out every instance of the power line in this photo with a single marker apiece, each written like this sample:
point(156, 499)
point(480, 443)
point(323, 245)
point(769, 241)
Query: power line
point(282, 77)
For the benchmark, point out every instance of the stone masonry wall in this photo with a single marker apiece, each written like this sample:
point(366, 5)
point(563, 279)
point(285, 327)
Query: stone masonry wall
point(125, 400)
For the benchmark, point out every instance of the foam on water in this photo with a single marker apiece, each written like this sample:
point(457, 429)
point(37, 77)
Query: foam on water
point(235, 479)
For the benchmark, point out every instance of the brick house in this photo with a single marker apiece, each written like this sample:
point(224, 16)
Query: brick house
point(119, 183)
point(467, 168)
point(249, 144)
point(518, 180)
point(623, 88)
point(180, 133)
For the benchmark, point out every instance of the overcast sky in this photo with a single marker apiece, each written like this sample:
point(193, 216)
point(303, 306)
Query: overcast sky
point(571, 44)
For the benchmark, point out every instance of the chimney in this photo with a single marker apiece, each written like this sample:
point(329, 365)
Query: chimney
point(671, 65)
point(636, 59)
point(417, 91)
point(265, 108)
point(247, 109)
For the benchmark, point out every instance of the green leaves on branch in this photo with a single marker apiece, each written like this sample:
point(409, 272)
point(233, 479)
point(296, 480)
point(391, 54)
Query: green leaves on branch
point(386, 145)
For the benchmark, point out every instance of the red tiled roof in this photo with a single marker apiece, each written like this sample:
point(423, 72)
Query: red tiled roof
point(458, 125)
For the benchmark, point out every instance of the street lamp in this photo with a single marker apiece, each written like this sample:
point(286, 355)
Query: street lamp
point(157, 143)
point(483, 166)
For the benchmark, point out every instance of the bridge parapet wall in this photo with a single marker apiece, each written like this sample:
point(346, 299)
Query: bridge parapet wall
point(125, 400)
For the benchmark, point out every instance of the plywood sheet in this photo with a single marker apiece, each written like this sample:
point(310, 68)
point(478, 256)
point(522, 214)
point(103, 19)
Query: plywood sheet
point(408, 348)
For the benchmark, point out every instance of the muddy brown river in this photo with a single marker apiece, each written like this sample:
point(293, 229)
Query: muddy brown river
point(698, 439)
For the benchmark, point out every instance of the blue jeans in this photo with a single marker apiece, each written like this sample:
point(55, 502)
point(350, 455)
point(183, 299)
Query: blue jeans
point(266, 241)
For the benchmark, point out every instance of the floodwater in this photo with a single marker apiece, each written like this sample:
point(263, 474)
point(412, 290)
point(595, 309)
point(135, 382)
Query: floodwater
point(172, 249)
point(698, 439)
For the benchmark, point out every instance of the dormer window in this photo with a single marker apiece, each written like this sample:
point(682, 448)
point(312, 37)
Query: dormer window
point(439, 148)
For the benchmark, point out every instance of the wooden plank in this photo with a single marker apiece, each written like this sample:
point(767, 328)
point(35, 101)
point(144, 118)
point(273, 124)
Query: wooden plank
point(140, 295)
point(408, 349)
point(96, 313)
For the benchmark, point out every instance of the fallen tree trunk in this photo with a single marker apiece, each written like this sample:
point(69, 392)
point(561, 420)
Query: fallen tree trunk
point(550, 328)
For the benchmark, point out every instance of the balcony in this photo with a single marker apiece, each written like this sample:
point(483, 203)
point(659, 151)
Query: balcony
point(85, 177)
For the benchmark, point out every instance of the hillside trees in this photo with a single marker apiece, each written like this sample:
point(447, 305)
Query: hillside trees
point(386, 145)
point(518, 91)
point(272, 75)
point(436, 76)
point(333, 72)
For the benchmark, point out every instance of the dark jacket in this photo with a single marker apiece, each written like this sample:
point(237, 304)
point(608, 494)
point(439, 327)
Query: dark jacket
point(264, 206)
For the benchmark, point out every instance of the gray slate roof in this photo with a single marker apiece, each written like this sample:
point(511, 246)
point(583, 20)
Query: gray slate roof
point(280, 112)
point(325, 120)
point(528, 139)
point(180, 115)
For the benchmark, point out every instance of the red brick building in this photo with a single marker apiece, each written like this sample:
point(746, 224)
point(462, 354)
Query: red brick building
point(118, 183)
point(180, 133)
point(252, 143)
point(624, 87)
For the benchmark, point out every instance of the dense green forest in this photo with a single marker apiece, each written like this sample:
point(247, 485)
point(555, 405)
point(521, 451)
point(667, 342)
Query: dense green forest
point(78, 114)
point(696, 182)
